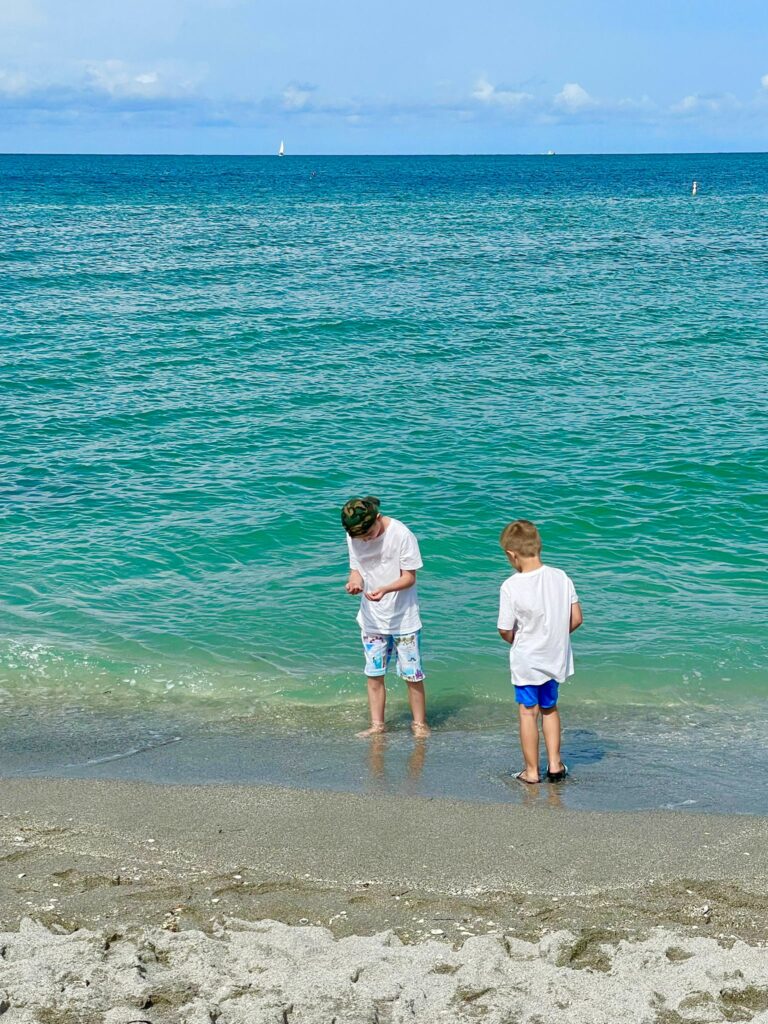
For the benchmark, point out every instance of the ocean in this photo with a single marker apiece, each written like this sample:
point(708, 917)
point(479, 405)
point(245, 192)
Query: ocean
point(202, 358)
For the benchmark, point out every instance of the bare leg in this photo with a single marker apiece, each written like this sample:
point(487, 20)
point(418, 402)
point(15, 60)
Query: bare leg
point(418, 701)
point(550, 726)
point(529, 741)
point(377, 698)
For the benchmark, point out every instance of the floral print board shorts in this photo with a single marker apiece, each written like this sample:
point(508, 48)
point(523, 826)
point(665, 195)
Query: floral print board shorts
point(379, 648)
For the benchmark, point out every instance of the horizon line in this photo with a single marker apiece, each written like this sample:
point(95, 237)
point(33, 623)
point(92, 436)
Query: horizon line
point(537, 153)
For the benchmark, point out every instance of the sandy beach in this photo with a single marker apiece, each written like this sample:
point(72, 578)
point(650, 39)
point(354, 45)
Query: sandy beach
point(128, 901)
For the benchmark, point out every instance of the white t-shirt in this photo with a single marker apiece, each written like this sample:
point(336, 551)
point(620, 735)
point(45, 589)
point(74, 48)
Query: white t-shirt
point(381, 561)
point(537, 605)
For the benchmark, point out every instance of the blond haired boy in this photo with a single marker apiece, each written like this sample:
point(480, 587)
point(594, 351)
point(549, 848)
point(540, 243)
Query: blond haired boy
point(538, 611)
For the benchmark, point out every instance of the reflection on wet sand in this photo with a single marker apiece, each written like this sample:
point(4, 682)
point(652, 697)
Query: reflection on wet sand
point(377, 762)
point(545, 793)
point(387, 771)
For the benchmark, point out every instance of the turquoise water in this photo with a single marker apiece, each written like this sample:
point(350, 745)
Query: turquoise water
point(201, 358)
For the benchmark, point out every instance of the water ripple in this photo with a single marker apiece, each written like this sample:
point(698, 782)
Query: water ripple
point(203, 357)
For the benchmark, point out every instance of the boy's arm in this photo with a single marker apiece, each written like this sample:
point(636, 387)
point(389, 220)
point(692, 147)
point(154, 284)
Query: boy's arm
point(354, 584)
point(406, 580)
point(576, 617)
point(507, 624)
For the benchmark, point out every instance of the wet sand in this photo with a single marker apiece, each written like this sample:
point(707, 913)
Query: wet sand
point(622, 758)
point(554, 893)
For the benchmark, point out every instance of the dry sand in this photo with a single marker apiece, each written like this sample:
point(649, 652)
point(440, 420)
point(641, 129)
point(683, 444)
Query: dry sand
point(196, 904)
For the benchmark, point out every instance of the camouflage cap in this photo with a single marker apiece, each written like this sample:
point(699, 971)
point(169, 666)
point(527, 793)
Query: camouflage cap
point(359, 515)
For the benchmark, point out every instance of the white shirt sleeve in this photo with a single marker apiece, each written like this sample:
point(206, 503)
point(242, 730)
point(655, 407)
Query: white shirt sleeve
point(573, 597)
point(410, 556)
point(507, 618)
point(353, 562)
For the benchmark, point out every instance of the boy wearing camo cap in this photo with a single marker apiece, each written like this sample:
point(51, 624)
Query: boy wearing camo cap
point(383, 560)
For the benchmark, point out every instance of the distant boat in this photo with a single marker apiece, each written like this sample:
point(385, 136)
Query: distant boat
point(551, 152)
point(281, 151)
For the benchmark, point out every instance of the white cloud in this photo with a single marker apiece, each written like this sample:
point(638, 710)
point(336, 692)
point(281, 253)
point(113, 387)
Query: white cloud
point(574, 97)
point(14, 83)
point(687, 105)
point(296, 97)
point(121, 80)
point(167, 92)
point(485, 92)
point(697, 104)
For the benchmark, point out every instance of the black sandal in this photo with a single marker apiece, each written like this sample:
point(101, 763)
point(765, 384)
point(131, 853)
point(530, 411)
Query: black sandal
point(557, 776)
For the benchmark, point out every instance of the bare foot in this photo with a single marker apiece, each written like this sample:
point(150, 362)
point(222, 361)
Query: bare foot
point(375, 730)
point(420, 730)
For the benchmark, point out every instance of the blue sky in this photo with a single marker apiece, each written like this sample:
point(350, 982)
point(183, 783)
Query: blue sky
point(404, 76)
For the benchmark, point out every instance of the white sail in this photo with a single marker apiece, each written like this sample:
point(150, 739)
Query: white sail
point(281, 151)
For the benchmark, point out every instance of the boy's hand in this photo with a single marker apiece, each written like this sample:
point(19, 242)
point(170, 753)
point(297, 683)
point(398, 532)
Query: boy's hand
point(354, 584)
point(406, 579)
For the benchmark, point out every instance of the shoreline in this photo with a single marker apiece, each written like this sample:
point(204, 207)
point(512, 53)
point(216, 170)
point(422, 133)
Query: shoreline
point(243, 904)
point(619, 762)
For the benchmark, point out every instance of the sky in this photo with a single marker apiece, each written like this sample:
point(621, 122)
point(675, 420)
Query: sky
point(401, 76)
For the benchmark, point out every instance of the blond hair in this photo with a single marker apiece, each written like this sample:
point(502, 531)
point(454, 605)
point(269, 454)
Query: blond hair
point(522, 537)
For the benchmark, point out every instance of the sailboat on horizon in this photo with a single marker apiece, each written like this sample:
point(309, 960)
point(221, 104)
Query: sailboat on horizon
point(281, 151)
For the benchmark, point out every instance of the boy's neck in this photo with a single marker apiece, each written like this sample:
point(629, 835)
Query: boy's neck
point(529, 564)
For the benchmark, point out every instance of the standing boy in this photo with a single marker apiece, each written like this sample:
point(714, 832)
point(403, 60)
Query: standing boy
point(538, 611)
point(383, 560)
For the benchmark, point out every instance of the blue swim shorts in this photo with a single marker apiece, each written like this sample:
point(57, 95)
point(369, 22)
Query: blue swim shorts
point(379, 648)
point(545, 695)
